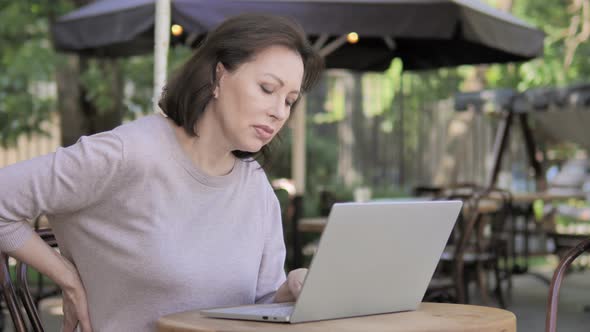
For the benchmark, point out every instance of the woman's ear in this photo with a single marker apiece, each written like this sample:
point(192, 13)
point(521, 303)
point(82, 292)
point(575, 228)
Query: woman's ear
point(219, 72)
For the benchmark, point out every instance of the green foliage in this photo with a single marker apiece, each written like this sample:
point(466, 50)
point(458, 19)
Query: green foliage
point(335, 102)
point(98, 87)
point(27, 63)
point(553, 18)
point(321, 154)
point(138, 74)
point(138, 71)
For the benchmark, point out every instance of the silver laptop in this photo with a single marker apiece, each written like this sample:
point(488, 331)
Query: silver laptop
point(372, 258)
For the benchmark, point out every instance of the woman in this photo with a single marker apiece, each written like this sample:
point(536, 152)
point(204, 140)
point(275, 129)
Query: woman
point(162, 215)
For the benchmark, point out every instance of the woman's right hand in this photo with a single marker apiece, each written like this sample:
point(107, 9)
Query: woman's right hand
point(37, 254)
point(75, 305)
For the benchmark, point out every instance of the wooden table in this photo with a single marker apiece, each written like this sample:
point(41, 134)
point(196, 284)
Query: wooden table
point(530, 197)
point(317, 224)
point(440, 317)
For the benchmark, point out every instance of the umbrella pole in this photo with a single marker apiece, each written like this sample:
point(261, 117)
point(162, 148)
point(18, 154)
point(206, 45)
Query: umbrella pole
point(298, 148)
point(401, 131)
point(298, 171)
point(298, 127)
point(298, 159)
point(161, 45)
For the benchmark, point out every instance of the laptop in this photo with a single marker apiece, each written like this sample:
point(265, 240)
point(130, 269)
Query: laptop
point(372, 258)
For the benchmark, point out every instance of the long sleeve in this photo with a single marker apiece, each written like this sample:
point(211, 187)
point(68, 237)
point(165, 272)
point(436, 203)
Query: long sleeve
point(61, 182)
point(149, 232)
point(272, 273)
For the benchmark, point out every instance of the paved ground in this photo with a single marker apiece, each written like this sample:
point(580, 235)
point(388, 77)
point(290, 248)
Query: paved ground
point(528, 302)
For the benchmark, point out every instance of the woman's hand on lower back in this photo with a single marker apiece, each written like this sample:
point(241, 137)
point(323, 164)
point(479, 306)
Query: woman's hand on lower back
point(75, 304)
point(37, 254)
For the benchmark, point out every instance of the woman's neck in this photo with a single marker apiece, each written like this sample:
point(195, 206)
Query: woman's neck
point(206, 151)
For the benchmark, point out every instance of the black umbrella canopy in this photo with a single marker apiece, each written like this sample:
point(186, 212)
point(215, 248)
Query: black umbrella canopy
point(423, 33)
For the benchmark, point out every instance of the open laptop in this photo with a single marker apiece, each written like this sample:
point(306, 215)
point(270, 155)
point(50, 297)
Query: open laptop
point(372, 258)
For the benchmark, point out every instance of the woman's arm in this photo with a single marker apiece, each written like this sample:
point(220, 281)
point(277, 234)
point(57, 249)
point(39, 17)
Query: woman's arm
point(271, 274)
point(68, 180)
point(36, 253)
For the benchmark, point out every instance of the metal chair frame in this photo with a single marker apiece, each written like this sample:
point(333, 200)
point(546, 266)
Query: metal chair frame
point(20, 294)
point(552, 301)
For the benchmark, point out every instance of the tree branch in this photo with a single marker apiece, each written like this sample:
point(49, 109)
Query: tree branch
point(579, 29)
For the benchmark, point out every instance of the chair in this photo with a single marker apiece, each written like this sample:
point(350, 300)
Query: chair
point(447, 284)
point(9, 294)
point(479, 241)
point(551, 317)
point(21, 294)
point(493, 248)
point(461, 254)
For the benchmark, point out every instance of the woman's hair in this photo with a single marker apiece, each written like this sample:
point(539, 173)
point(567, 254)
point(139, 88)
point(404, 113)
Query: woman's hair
point(236, 41)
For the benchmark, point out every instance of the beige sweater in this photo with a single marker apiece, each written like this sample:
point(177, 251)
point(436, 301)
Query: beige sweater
point(149, 233)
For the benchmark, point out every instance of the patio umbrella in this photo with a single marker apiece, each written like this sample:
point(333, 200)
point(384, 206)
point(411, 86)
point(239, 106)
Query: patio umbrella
point(424, 34)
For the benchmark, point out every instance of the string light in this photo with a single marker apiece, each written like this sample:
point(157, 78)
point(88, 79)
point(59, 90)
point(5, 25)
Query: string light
point(176, 30)
point(352, 37)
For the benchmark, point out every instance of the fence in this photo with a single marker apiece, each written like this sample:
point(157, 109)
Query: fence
point(450, 147)
point(34, 145)
point(439, 145)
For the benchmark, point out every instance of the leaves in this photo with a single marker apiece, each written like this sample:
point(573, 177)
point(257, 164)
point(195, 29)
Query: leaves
point(28, 66)
point(26, 69)
point(554, 18)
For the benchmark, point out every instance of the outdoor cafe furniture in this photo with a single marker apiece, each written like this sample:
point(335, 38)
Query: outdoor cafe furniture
point(440, 317)
point(545, 196)
point(479, 242)
point(473, 257)
point(19, 295)
point(522, 207)
point(317, 224)
point(553, 299)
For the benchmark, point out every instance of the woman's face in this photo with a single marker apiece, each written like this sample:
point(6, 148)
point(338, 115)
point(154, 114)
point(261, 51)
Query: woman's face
point(253, 102)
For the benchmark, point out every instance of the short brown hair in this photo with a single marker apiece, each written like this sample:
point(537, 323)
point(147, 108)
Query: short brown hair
point(235, 41)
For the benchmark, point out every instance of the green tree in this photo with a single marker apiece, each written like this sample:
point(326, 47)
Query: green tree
point(562, 63)
point(27, 62)
point(90, 94)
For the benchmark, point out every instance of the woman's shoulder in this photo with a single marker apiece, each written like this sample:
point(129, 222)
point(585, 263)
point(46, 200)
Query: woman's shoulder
point(256, 176)
point(144, 142)
point(145, 134)
point(149, 126)
point(252, 170)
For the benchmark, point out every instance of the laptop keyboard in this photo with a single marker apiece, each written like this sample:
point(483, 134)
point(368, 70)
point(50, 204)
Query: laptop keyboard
point(278, 310)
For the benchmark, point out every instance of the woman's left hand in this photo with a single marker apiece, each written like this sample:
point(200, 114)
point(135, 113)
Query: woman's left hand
point(290, 289)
